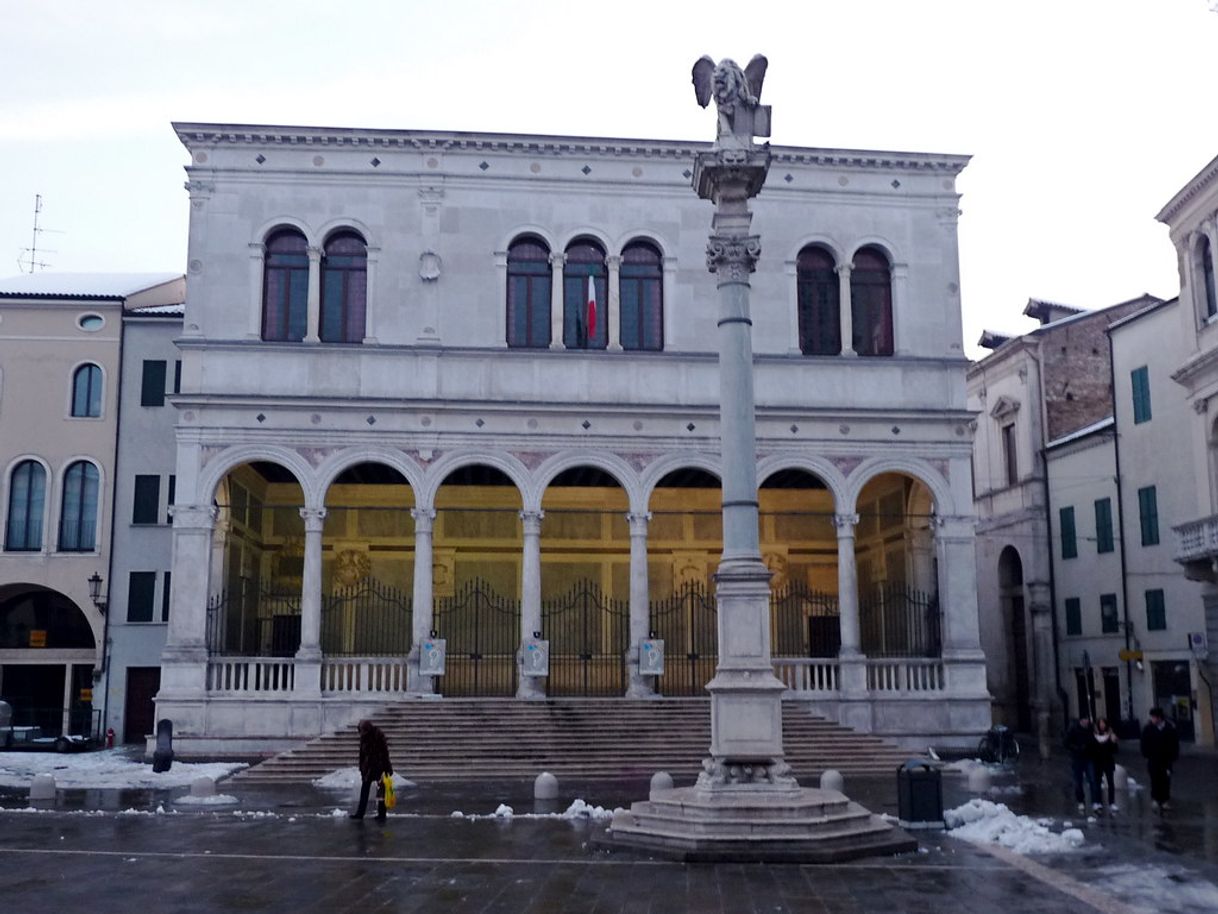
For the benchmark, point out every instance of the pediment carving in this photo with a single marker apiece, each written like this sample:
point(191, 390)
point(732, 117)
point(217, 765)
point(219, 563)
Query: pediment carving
point(1004, 407)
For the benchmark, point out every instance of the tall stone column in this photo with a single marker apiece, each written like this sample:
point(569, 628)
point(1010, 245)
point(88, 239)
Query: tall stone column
point(422, 608)
point(640, 609)
point(184, 659)
point(530, 599)
point(847, 586)
point(845, 309)
point(313, 302)
point(310, 593)
point(964, 661)
point(557, 261)
point(1041, 610)
point(613, 310)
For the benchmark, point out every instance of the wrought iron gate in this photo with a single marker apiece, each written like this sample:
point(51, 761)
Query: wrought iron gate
point(483, 631)
point(899, 622)
point(254, 622)
point(589, 635)
point(804, 622)
point(367, 619)
point(686, 622)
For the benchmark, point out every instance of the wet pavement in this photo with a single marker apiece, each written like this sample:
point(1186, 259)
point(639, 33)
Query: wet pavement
point(285, 849)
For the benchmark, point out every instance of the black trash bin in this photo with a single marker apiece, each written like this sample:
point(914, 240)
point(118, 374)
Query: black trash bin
point(920, 795)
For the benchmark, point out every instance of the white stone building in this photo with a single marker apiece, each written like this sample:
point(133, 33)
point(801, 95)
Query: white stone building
point(466, 383)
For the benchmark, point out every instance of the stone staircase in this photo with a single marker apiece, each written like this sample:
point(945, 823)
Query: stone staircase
point(595, 739)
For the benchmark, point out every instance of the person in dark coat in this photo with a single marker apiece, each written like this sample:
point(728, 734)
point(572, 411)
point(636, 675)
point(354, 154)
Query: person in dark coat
point(1104, 753)
point(1079, 740)
point(1160, 748)
point(373, 763)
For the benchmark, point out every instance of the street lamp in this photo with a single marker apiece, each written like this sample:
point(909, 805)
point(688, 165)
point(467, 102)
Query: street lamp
point(95, 592)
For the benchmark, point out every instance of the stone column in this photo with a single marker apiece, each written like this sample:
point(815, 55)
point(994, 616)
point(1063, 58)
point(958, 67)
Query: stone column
point(847, 586)
point(370, 305)
point(746, 697)
point(184, 659)
point(900, 273)
point(557, 261)
point(640, 609)
point(846, 315)
point(670, 292)
point(313, 312)
point(613, 310)
point(1041, 611)
point(1210, 228)
point(421, 619)
point(963, 659)
point(530, 598)
point(257, 278)
point(308, 657)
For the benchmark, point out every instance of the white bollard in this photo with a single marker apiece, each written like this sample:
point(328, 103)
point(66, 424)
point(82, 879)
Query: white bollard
point(831, 779)
point(979, 779)
point(203, 787)
point(1120, 778)
point(545, 787)
point(661, 780)
point(42, 787)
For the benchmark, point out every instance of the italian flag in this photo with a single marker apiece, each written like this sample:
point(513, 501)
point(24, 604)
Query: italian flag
point(591, 321)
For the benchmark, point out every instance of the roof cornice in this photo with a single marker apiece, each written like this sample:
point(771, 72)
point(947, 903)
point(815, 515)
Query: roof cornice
point(211, 135)
point(1200, 182)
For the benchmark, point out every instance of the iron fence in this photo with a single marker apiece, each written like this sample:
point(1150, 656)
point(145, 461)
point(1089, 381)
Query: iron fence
point(898, 621)
point(482, 629)
point(254, 622)
point(589, 635)
point(366, 619)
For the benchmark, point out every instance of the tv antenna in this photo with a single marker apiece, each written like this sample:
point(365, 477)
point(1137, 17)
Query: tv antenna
point(27, 260)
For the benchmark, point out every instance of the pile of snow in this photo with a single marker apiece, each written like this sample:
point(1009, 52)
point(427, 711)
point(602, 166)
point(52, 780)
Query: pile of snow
point(109, 768)
point(349, 779)
point(984, 822)
point(159, 811)
point(1159, 886)
point(502, 812)
point(216, 799)
point(578, 810)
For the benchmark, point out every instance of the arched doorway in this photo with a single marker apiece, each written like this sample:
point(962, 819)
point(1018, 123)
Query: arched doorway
point(49, 651)
point(477, 580)
point(898, 592)
point(1010, 591)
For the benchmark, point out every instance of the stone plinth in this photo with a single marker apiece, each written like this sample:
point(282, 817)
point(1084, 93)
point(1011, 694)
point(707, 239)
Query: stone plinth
point(745, 824)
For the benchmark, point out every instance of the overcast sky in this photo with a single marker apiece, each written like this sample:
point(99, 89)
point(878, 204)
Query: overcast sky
point(1083, 116)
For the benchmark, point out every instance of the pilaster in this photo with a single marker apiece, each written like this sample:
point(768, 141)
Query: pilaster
point(557, 262)
point(313, 312)
point(530, 603)
point(422, 615)
point(640, 618)
point(847, 587)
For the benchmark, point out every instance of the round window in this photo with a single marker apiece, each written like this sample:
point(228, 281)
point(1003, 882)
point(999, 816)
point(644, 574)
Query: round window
point(90, 322)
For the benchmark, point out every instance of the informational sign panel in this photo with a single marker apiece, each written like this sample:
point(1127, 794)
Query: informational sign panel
point(38, 637)
point(651, 657)
point(431, 660)
point(535, 659)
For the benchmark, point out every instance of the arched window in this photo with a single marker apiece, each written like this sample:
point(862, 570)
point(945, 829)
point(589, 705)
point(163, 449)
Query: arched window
point(642, 297)
point(86, 392)
point(1205, 254)
point(528, 294)
point(78, 519)
point(344, 288)
point(285, 287)
point(820, 316)
point(871, 303)
point(27, 488)
point(585, 286)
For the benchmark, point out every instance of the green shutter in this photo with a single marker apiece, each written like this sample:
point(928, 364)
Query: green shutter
point(152, 388)
point(1156, 611)
point(1103, 525)
point(1074, 616)
point(1069, 541)
point(1109, 623)
point(1140, 379)
point(1148, 514)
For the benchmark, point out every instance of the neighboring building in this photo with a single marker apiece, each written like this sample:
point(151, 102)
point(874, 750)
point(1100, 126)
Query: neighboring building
point(1192, 219)
point(60, 351)
point(1049, 387)
point(401, 414)
point(143, 495)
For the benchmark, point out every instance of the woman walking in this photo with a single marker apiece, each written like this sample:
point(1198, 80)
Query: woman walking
point(1104, 752)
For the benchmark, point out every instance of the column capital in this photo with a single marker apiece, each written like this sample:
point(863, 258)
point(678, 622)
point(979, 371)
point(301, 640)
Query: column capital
point(314, 519)
point(638, 522)
point(843, 269)
point(257, 250)
point(845, 524)
point(194, 517)
point(732, 257)
point(613, 261)
point(314, 253)
point(423, 519)
point(558, 259)
point(532, 521)
point(953, 527)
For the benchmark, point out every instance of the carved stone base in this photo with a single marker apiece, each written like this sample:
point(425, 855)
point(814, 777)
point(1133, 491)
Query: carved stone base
point(719, 773)
point(754, 823)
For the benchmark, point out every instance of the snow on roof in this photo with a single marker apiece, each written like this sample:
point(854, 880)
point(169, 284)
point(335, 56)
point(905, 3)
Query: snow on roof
point(179, 310)
point(1081, 433)
point(81, 285)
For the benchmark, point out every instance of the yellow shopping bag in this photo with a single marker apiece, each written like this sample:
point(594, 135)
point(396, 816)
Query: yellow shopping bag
point(390, 799)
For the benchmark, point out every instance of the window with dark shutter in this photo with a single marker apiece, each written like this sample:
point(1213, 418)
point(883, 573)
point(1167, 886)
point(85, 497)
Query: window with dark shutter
point(1148, 515)
point(141, 590)
point(1103, 525)
point(152, 388)
point(1109, 622)
point(1069, 540)
point(1156, 611)
point(1140, 381)
point(1074, 616)
point(147, 500)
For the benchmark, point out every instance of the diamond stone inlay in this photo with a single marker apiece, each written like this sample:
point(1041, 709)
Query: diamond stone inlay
point(371, 420)
point(484, 165)
point(260, 158)
point(375, 162)
point(585, 425)
point(788, 177)
point(587, 169)
point(260, 417)
point(690, 427)
point(479, 423)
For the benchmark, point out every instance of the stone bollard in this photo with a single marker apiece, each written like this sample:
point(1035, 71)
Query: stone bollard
point(661, 780)
point(203, 787)
point(1120, 778)
point(42, 787)
point(545, 787)
point(831, 779)
point(979, 779)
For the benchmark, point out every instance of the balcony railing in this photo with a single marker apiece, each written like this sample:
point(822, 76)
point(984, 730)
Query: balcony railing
point(1197, 540)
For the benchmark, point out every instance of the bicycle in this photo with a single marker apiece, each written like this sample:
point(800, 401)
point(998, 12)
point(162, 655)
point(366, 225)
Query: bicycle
point(998, 745)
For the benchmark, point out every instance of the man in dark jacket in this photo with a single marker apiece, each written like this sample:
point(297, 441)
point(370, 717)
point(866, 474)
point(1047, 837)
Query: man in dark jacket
point(1160, 748)
point(373, 763)
point(1079, 744)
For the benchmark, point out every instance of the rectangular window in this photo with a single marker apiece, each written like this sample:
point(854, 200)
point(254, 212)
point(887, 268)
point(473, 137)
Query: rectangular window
point(1109, 623)
point(169, 496)
point(165, 597)
point(147, 500)
point(1069, 541)
point(1156, 611)
point(152, 390)
point(141, 588)
point(1008, 454)
point(1103, 525)
point(177, 376)
point(1074, 616)
point(1140, 378)
point(1148, 514)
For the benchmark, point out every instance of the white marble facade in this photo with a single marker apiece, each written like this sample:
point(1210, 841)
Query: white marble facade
point(432, 384)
